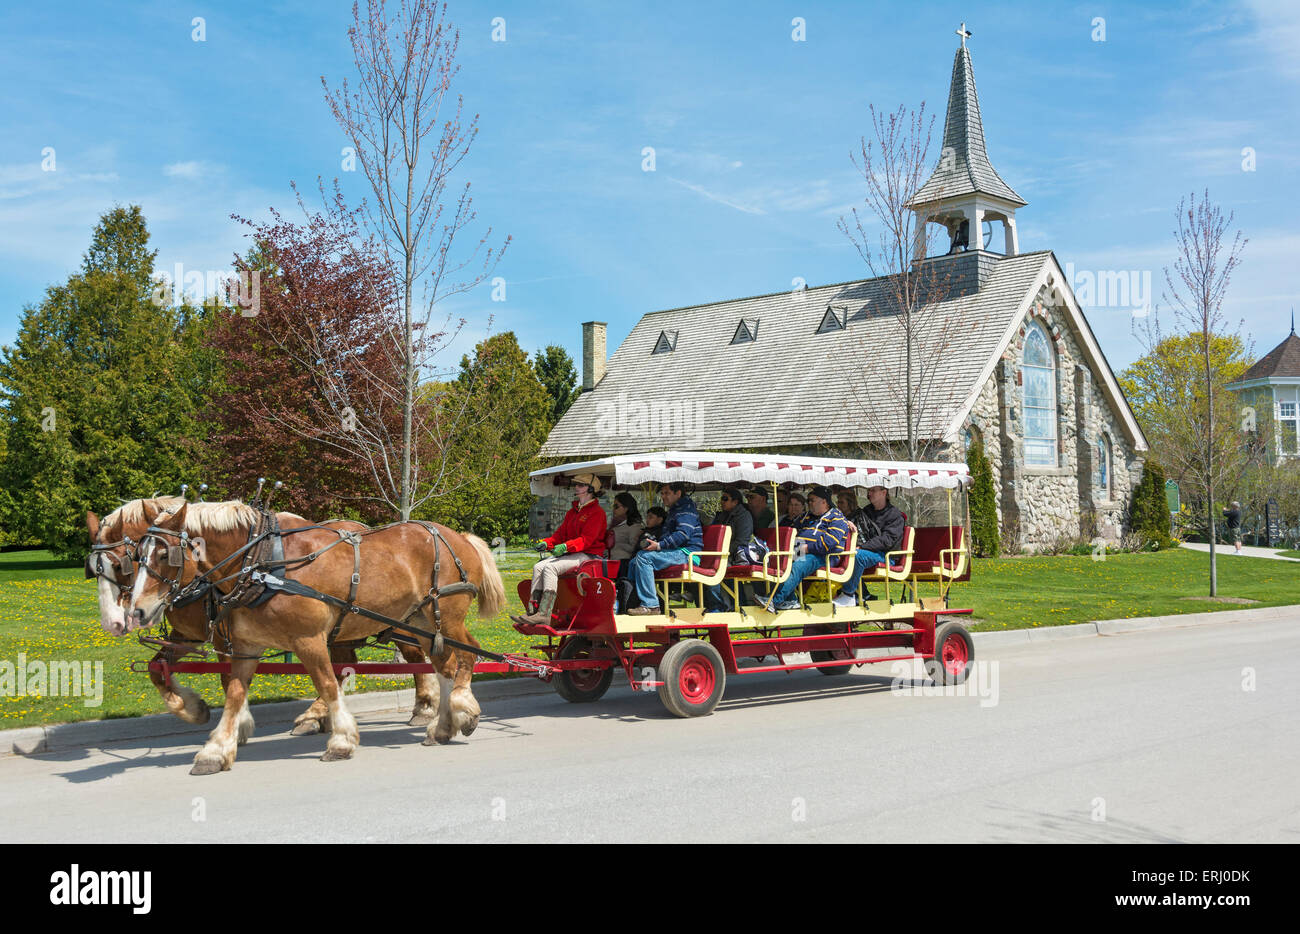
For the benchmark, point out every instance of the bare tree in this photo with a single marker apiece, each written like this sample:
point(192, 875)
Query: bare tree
point(408, 135)
point(1195, 289)
point(898, 384)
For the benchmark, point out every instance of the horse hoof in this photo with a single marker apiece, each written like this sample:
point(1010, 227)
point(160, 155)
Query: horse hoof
point(207, 766)
point(335, 754)
point(420, 719)
point(306, 728)
point(469, 727)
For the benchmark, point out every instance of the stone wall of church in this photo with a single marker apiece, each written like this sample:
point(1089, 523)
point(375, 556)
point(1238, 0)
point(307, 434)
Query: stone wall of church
point(1039, 507)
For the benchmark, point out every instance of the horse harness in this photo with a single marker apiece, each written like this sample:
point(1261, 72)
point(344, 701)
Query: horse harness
point(261, 576)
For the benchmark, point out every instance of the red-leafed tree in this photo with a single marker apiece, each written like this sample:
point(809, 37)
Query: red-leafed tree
point(307, 382)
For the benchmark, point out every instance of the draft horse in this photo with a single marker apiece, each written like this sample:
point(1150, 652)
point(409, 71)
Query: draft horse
point(396, 571)
point(113, 541)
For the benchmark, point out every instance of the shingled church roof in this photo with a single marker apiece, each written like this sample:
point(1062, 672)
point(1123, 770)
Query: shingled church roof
point(800, 382)
point(967, 169)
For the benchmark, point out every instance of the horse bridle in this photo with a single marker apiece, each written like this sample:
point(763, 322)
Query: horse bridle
point(102, 562)
point(175, 557)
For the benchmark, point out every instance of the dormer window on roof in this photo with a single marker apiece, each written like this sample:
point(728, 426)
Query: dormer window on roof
point(667, 342)
point(746, 331)
point(834, 319)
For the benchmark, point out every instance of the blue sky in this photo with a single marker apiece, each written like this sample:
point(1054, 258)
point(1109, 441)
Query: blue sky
point(752, 133)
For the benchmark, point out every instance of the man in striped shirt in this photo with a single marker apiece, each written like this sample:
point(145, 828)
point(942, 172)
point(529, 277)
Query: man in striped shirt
point(826, 532)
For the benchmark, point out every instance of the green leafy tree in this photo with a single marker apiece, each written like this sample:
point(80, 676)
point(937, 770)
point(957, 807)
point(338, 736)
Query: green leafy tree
point(99, 391)
point(508, 418)
point(1167, 389)
point(555, 370)
point(983, 504)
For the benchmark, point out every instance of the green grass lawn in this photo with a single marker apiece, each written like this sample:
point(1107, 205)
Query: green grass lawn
point(48, 612)
point(1019, 593)
point(1290, 554)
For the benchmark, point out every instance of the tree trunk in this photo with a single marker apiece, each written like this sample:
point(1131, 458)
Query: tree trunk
point(408, 381)
point(1209, 468)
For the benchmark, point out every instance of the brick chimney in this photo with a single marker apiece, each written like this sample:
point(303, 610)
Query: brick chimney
point(593, 353)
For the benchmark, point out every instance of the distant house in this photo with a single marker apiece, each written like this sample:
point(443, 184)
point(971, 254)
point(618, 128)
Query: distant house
point(1272, 385)
point(789, 371)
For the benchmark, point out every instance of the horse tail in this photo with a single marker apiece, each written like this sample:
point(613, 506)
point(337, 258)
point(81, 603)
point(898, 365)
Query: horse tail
point(491, 590)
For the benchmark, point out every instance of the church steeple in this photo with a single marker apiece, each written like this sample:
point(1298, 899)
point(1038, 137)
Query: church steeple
point(965, 190)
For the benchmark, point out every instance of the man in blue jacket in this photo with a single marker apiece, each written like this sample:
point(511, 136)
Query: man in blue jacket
point(682, 533)
point(826, 532)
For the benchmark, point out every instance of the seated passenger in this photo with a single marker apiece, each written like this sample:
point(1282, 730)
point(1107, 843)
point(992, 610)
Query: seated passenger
point(654, 525)
point(682, 533)
point(759, 509)
point(580, 537)
point(624, 533)
point(622, 540)
point(732, 513)
point(847, 501)
point(880, 531)
point(798, 511)
point(826, 532)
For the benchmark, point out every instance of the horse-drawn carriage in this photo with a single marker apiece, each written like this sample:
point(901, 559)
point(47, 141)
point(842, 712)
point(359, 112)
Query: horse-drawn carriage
point(686, 654)
point(246, 580)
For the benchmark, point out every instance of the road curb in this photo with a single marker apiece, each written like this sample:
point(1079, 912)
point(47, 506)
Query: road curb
point(32, 740)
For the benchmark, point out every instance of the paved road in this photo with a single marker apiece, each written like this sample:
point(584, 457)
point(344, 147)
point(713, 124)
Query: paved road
point(1153, 728)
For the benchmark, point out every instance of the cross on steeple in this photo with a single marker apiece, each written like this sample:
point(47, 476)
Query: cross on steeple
point(965, 34)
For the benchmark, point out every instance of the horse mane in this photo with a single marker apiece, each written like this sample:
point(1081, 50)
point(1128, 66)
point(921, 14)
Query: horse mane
point(229, 516)
point(134, 511)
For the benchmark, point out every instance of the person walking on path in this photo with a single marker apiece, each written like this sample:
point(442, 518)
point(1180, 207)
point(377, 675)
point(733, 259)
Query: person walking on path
point(1233, 515)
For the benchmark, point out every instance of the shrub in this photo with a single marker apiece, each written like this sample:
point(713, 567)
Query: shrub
point(1149, 512)
point(983, 505)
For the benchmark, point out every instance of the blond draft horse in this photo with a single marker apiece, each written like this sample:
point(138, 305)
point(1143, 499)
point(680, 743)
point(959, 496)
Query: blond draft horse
point(397, 574)
point(190, 623)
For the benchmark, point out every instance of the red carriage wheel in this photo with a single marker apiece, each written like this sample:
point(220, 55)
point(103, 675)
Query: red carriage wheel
point(953, 652)
point(581, 685)
point(826, 655)
point(694, 678)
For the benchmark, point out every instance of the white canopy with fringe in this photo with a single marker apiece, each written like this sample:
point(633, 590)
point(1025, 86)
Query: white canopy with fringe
point(710, 469)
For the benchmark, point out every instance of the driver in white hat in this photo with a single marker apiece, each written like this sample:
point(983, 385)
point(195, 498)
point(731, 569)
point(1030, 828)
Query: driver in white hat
point(580, 537)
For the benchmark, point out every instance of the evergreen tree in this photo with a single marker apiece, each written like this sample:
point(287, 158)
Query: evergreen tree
point(1149, 513)
point(556, 372)
point(99, 390)
point(983, 504)
point(507, 418)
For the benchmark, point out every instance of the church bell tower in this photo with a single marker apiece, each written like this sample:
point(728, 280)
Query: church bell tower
point(965, 191)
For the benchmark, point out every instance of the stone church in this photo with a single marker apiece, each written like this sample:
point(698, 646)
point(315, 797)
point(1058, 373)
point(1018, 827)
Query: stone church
point(1001, 353)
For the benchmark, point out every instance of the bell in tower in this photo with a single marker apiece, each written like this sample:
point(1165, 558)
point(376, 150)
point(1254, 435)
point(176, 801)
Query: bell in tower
point(960, 237)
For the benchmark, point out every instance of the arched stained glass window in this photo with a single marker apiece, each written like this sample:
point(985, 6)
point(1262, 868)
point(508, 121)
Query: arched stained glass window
point(1101, 468)
point(1038, 387)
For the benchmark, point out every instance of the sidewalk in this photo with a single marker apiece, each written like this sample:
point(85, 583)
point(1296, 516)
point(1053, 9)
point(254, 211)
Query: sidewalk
point(1248, 551)
point(93, 733)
